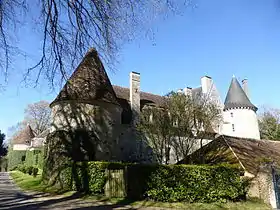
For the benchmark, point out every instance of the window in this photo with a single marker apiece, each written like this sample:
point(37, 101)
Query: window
point(233, 129)
point(231, 114)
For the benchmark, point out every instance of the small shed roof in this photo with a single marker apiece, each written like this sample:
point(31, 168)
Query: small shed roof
point(249, 153)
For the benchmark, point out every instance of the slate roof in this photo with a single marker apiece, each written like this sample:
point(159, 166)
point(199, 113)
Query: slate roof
point(237, 98)
point(123, 93)
point(88, 83)
point(24, 136)
point(246, 152)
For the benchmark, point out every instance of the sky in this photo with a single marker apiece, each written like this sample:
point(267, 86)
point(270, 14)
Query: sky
point(218, 38)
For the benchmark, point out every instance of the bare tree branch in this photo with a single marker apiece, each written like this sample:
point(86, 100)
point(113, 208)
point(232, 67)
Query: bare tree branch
point(69, 28)
point(180, 125)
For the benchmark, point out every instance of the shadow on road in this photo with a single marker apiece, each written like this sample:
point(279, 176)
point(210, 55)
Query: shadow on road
point(16, 200)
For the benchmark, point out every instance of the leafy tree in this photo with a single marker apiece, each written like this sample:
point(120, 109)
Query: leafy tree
point(184, 120)
point(69, 28)
point(269, 123)
point(3, 147)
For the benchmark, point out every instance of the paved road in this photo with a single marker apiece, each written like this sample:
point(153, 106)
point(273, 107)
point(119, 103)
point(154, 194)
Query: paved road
point(12, 198)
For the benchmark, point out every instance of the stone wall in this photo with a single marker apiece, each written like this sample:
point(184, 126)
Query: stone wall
point(20, 147)
point(263, 187)
point(192, 146)
point(102, 121)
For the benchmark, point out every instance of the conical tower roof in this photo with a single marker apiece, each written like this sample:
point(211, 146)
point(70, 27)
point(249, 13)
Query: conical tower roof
point(88, 83)
point(24, 136)
point(236, 97)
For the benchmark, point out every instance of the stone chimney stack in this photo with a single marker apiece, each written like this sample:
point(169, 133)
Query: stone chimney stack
point(206, 84)
point(135, 95)
point(245, 87)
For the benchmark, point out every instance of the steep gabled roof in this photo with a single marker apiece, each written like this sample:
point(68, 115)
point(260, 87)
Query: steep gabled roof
point(88, 83)
point(236, 97)
point(24, 136)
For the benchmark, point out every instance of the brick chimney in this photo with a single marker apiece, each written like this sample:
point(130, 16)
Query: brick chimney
point(134, 96)
point(245, 87)
point(206, 84)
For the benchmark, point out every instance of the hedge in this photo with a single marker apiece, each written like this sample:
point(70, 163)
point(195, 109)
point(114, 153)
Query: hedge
point(34, 158)
point(170, 183)
point(27, 169)
point(15, 158)
point(3, 164)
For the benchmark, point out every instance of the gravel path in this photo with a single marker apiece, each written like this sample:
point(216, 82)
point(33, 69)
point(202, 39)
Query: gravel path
point(12, 198)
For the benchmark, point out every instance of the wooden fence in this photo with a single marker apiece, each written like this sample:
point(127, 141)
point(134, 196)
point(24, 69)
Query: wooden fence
point(115, 185)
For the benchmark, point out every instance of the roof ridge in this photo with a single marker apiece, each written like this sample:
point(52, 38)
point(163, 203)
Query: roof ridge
point(140, 90)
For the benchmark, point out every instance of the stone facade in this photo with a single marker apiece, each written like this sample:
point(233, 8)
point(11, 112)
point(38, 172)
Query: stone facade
point(88, 101)
point(239, 114)
point(134, 95)
point(241, 122)
point(20, 147)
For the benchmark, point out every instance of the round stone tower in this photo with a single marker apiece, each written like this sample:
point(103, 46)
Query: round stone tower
point(87, 107)
point(240, 118)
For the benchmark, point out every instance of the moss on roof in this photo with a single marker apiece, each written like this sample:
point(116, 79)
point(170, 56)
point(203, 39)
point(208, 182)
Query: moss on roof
point(88, 83)
point(249, 153)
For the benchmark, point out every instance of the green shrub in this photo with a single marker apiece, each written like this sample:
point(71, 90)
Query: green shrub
point(35, 171)
point(34, 158)
point(29, 170)
point(96, 176)
point(3, 164)
point(195, 184)
point(15, 158)
point(170, 183)
point(14, 168)
point(22, 168)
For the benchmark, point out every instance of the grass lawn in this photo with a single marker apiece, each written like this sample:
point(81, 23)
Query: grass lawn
point(30, 183)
